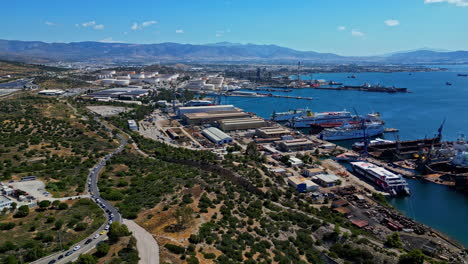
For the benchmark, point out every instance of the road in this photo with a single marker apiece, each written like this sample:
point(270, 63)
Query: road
point(148, 249)
point(111, 214)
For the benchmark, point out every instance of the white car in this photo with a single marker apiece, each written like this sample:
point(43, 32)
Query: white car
point(107, 227)
point(96, 236)
point(76, 248)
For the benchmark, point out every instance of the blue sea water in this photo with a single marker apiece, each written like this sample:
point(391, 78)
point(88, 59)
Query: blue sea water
point(417, 115)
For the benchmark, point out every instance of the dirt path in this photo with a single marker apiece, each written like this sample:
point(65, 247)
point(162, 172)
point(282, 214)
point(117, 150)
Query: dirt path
point(147, 246)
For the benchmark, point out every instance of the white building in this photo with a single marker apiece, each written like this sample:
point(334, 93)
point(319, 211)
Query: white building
point(295, 162)
point(200, 109)
point(216, 136)
point(326, 180)
point(302, 184)
point(5, 202)
point(51, 92)
point(132, 125)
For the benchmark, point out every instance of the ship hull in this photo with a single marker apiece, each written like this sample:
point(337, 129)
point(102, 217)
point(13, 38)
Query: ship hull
point(395, 190)
point(353, 134)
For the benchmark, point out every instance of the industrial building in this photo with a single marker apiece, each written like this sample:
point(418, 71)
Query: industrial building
point(326, 180)
point(51, 92)
point(302, 184)
point(199, 109)
point(312, 172)
point(5, 202)
point(132, 125)
point(122, 93)
point(217, 136)
point(295, 144)
point(271, 132)
point(210, 117)
point(241, 123)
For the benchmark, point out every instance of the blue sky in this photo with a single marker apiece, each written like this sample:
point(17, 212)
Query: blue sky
point(347, 27)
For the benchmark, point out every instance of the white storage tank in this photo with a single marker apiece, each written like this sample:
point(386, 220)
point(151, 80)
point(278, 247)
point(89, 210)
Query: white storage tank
point(122, 82)
point(108, 81)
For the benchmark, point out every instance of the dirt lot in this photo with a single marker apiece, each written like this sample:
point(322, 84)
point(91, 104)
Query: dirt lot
point(106, 110)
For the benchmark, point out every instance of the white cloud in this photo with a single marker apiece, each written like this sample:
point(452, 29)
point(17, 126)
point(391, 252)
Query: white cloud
point(341, 28)
point(110, 40)
point(179, 31)
point(454, 2)
point(91, 24)
point(392, 22)
point(50, 23)
point(99, 27)
point(357, 33)
point(218, 35)
point(137, 26)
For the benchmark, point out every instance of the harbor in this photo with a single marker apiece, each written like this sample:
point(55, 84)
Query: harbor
point(416, 115)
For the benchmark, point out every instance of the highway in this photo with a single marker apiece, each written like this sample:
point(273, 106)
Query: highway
point(112, 214)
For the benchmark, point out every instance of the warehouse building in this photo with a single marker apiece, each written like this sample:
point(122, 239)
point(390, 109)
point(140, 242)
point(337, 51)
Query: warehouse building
point(326, 180)
point(132, 125)
point(312, 172)
point(271, 132)
point(217, 136)
point(5, 202)
point(200, 109)
point(51, 92)
point(211, 117)
point(295, 144)
point(241, 123)
point(118, 94)
point(302, 184)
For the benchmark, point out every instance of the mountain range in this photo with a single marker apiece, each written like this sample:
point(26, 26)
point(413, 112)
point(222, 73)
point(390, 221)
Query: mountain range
point(37, 51)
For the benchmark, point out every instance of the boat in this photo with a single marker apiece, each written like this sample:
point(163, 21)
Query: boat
point(352, 77)
point(375, 88)
point(448, 83)
point(462, 75)
point(347, 131)
point(390, 182)
point(285, 116)
point(305, 121)
point(378, 141)
point(334, 83)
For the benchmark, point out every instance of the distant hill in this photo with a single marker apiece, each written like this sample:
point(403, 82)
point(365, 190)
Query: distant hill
point(36, 51)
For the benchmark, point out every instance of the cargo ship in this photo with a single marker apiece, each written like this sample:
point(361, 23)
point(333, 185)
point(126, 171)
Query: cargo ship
point(367, 88)
point(305, 121)
point(286, 116)
point(388, 181)
point(373, 117)
point(462, 75)
point(347, 131)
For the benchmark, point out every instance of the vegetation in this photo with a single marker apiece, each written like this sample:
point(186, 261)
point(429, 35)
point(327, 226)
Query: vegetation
point(48, 230)
point(413, 257)
point(42, 137)
point(393, 241)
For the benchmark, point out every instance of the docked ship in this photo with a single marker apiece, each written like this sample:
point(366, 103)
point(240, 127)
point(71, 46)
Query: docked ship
point(305, 121)
point(347, 131)
point(462, 75)
point(374, 142)
point(286, 116)
point(388, 181)
point(376, 88)
point(373, 117)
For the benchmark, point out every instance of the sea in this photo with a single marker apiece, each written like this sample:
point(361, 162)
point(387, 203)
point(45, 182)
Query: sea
point(417, 115)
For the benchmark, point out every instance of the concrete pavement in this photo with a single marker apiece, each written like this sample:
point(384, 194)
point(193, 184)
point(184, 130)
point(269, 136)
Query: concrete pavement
point(148, 249)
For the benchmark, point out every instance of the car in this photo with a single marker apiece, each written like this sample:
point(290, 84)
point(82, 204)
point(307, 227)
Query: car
point(52, 261)
point(60, 257)
point(110, 222)
point(96, 236)
point(69, 253)
point(103, 232)
point(88, 241)
point(77, 247)
point(107, 227)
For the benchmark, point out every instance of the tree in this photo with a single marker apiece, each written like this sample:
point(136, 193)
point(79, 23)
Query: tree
point(393, 240)
point(117, 230)
point(56, 203)
point(183, 216)
point(10, 260)
point(63, 206)
point(86, 259)
point(102, 249)
point(58, 224)
point(13, 206)
point(413, 257)
point(23, 211)
point(44, 204)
